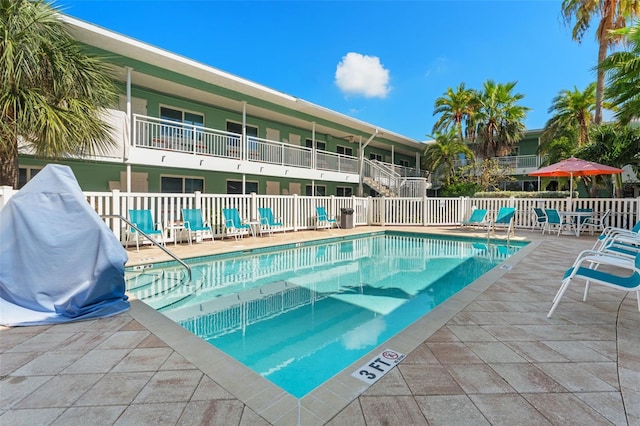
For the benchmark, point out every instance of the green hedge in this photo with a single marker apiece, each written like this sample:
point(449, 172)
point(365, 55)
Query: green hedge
point(523, 194)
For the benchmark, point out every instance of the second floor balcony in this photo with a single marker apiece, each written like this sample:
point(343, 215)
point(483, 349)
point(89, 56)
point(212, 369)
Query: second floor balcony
point(165, 135)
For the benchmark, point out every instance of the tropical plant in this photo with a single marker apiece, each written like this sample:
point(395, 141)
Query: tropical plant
point(614, 145)
point(486, 174)
point(455, 108)
point(571, 110)
point(500, 121)
point(443, 152)
point(623, 76)
point(51, 92)
point(613, 15)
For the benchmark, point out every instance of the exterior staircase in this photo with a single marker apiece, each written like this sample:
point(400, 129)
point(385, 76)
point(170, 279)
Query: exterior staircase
point(384, 180)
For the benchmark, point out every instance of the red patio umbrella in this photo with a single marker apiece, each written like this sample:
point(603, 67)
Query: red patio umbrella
point(575, 167)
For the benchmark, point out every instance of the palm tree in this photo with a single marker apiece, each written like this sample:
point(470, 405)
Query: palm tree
point(614, 145)
point(51, 93)
point(443, 152)
point(499, 119)
point(613, 15)
point(623, 76)
point(571, 110)
point(455, 108)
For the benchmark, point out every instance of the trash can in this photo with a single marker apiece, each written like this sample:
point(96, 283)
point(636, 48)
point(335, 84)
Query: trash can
point(346, 218)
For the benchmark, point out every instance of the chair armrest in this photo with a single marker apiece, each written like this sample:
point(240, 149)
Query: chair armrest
point(186, 224)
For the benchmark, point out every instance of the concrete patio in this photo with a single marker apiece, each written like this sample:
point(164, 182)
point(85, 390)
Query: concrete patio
point(487, 356)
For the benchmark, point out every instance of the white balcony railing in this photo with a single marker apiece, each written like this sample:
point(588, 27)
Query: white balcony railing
point(168, 135)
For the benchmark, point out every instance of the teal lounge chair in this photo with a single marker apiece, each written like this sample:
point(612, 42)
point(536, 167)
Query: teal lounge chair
point(323, 220)
point(626, 282)
point(268, 222)
point(504, 219)
point(143, 221)
point(610, 231)
point(478, 218)
point(234, 226)
point(193, 224)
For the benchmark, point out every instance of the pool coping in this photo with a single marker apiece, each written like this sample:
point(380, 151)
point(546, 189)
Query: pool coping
point(323, 403)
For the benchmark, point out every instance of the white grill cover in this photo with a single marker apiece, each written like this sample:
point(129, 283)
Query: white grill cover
point(59, 262)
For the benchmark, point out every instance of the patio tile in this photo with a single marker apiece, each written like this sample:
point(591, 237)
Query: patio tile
point(565, 408)
point(508, 409)
point(41, 342)
point(385, 410)
point(83, 342)
point(605, 371)
point(177, 362)
point(421, 355)
point(10, 340)
point(429, 380)
point(10, 361)
point(97, 361)
point(115, 389)
point(607, 404)
point(352, 415)
point(453, 353)
point(152, 341)
point(15, 388)
point(223, 412)
point(526, 378)
point(124, 339)
point(450, 410)
point(392, 383)
point(471, 333)
point(170, 386)
point(151, 414)
point(443, 335)
point(145, 359)
point(479, 378)
point(49, 363)
point(574, 378)
point(575, 351)
point(250, 418)
point(536, 352)
point(106, 415)
point(208, 389)
point(491, 352)
point(50, 394)
point(30, 417)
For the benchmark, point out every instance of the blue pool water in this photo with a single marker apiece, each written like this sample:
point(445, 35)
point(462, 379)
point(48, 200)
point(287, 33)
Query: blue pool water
point(298, 315)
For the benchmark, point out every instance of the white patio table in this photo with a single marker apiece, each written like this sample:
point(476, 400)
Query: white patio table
point(579, 216)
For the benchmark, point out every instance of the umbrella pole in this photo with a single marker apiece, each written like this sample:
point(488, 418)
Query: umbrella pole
point(571, 192)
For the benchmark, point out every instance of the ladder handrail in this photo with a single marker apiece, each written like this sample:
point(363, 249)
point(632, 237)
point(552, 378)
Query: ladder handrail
point(166, 250)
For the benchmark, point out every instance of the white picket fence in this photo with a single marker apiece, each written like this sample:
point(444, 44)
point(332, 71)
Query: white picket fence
point(299, 212)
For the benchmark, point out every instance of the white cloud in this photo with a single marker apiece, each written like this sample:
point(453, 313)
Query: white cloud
point(362, 75)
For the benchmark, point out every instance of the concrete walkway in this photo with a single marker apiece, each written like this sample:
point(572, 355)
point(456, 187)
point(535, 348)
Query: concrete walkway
point(489, 356)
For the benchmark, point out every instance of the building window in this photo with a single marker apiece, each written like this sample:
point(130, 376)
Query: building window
point(404, 163)
point(319, 144)
point(344, 150)
point(183, 117)
point(181, 185)
point(25, 174)
point(320, 190)
point(376, 157)
point(344, 191)
point(235, 187)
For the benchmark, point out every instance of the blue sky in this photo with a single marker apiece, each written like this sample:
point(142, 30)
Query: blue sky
point(383, 62)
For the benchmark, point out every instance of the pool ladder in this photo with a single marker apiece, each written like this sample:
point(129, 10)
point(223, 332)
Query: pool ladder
point(154, 242)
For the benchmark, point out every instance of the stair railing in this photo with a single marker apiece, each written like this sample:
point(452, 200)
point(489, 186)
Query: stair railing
point(154, 242)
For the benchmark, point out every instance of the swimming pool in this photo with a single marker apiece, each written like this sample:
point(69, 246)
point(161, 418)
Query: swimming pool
point(300, 314)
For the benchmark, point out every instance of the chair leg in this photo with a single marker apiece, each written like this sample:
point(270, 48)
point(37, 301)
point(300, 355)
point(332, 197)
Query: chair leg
point(561, 291)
